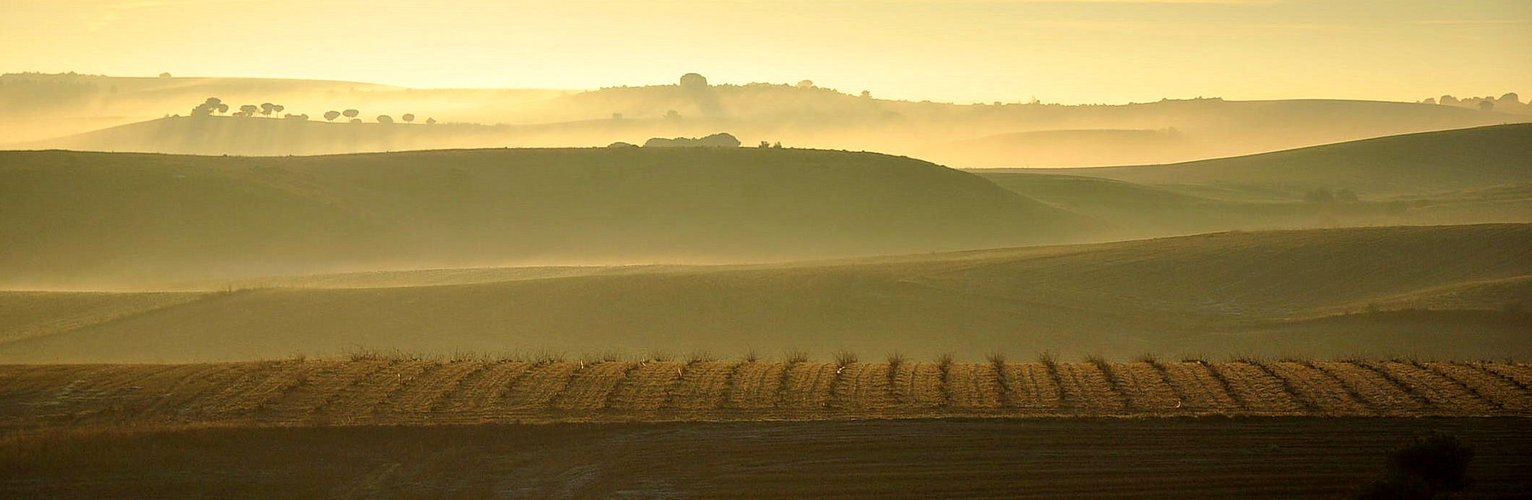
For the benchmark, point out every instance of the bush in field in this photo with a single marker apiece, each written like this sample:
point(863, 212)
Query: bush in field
point(1430, 467)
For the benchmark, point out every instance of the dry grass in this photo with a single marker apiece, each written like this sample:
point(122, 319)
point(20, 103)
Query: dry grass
point(372, 389)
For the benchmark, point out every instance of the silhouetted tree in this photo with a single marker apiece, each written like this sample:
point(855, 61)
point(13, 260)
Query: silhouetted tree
point(356, 120)
point(164, 75)
point(331, 115)
point(763, 145)
point(278, 108)
point(248, 110)
point(672, 115)
point(301, 118)
point(267, 108)
point(693, 81)
point(350, 113)
point(430, 121)
point(408, 117)
point(210, 106)
point(866, 94)
point(385, 119)
point(777, 145)
point(1448, 100)
point(806, 84)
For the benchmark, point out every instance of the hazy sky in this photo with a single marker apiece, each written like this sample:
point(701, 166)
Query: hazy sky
point(955, 50)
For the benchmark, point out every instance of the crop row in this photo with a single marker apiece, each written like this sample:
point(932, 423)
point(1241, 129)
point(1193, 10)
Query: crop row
point(405, 391)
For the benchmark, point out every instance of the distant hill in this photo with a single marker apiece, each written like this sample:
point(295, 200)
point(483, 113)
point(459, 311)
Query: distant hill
point(1410, 164)
point(43, 106)
point(59, 108)
point(1456, 177)
point(1321, 293)
point(99, 219)
point(1066, 148)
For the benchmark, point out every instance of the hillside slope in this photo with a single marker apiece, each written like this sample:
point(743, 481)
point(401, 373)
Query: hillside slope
point(1272, 293)
point(1424, 163)
point(97, 219)
point(1458, 177)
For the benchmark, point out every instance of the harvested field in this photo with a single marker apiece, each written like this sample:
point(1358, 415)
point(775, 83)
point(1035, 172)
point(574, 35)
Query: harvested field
point(407, 391)
point(1277, 457)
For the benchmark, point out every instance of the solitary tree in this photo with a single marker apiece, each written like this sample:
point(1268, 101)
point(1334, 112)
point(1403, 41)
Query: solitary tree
point(806, 84)
point(693, 81)
point(350, 113)
point(385, 119)
point(331, 115)
point(408, 117)
point(430, 121)
point(672, 115)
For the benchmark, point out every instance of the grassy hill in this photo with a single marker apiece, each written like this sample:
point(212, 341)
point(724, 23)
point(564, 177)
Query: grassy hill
point(1411, 164)
point(1317, 292)
point(104, 220)
point(1455, 177)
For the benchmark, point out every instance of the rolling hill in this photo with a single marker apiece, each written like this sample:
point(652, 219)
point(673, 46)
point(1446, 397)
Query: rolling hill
point(79, 111)
point(1411, 164)
point(1316, 292)
point(1455, 177)
point(99, 220)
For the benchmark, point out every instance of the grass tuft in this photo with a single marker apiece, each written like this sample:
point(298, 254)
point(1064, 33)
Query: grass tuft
point(795, 356)
point(1048, 359)
point(844, 358)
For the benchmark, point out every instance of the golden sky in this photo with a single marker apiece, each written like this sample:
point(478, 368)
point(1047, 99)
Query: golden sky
point(1071, 51)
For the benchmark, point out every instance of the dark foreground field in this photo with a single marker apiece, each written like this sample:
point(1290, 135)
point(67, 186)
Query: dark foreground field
point(1272, 457)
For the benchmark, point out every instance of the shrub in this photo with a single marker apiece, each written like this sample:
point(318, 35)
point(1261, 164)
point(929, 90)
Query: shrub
point(1428, 467)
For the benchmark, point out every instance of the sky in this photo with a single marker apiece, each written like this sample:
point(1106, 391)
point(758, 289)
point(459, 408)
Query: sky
point(1067, 51)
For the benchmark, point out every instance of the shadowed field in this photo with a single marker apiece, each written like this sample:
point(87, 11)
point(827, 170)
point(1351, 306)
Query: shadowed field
point(133, 221)
point(390, 391)
point(1456, 292)
point(1048, 458)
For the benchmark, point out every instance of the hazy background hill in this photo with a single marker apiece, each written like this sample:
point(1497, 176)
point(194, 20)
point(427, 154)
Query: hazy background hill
point(1451, 177)
point(996, 134)
point(1452, 291)
point(102, 219)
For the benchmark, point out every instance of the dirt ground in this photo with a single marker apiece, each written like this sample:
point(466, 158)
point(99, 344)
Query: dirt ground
point(1257, 457)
